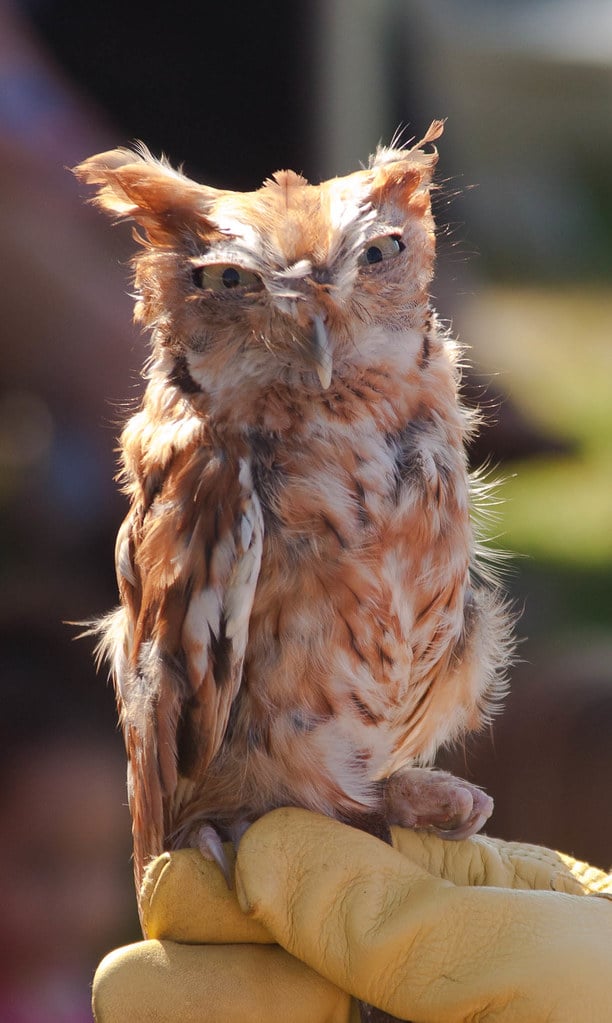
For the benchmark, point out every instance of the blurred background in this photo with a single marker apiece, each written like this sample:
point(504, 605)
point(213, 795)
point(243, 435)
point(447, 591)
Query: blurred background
point(525, 252)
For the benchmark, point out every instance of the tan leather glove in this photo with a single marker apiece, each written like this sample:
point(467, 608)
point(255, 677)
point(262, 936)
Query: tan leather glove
point(429, 930)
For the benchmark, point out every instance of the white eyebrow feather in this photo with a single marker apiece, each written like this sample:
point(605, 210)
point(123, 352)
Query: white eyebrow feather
point(299, 269)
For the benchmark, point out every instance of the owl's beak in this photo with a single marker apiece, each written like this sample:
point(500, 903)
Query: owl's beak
point(321, 351)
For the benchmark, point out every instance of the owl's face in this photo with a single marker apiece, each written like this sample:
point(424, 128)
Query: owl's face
point(288, 283)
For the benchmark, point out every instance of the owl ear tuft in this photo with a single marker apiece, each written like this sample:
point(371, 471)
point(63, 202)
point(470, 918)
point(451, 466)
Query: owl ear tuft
point(435, 130)
point(133, 185)
point(403, 176)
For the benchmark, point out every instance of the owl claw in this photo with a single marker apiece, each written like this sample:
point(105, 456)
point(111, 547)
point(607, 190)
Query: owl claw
point(210, 845)
point(435, 801)
point(478, 808)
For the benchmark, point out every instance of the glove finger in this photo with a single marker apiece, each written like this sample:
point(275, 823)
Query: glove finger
point(185, 898)
point(165, 981)
point(327, 893)
point(492, 862)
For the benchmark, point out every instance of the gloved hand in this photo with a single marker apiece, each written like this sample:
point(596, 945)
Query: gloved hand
point(429, 930)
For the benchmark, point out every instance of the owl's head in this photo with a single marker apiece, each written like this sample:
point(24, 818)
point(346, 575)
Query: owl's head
point(291, 282)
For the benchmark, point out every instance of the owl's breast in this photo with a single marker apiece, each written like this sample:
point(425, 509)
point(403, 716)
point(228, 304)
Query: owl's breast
point(347, 495)
point(361, 594)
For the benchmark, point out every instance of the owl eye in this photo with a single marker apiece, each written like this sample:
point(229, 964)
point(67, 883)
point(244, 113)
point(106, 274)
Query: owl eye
point(222, 277)
point(378, 249)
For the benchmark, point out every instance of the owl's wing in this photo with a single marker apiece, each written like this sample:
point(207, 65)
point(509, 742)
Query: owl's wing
point(188, 559)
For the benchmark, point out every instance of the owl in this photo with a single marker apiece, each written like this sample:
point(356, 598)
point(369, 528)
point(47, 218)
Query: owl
point(303, 617)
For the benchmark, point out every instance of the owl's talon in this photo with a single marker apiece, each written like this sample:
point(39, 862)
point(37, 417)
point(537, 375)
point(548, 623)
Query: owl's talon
point(434, 801)
point(208, 841)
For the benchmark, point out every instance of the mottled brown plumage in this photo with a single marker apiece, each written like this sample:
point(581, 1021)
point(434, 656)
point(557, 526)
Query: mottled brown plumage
point(302, 615)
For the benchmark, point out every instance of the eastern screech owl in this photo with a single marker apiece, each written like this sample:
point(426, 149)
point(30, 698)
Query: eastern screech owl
point(302, 618)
